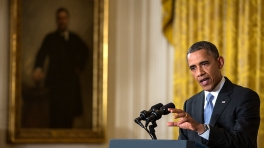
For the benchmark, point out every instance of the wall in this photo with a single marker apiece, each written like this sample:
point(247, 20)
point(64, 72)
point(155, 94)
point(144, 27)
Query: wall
point(140, 71)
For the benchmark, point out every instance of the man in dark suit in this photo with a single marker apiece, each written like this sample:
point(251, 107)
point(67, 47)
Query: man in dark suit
point(67, 55)
point(223, 115)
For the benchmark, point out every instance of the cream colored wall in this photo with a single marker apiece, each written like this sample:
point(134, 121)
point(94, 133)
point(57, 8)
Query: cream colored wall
point(140, 71)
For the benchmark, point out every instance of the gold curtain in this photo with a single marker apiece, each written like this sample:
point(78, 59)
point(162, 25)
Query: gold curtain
point(236, 27)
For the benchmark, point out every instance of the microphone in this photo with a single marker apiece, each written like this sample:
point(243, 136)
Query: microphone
point(144, 114)
point(156, 115)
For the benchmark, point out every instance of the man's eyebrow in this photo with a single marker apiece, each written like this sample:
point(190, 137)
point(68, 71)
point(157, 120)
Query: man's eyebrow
point(192, 66)
point(202, 62)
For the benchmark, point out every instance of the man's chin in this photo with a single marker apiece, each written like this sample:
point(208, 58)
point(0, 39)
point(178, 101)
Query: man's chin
point(206, 88)
point(62, 29)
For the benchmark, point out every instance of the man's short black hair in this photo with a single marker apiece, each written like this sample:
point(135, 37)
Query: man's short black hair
point(62, 9)
point(209, 47)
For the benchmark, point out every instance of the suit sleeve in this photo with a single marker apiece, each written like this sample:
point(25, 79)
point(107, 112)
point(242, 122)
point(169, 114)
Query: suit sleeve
point(243, 133)
point(84, 54)
point(81, 52)
point(42, 53)
point(183, 135)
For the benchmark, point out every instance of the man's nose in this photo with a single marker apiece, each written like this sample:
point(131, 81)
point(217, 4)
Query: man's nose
point(200, 71)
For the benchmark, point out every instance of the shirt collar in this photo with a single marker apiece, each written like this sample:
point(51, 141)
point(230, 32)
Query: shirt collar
point(65, 34)
point(217, 89)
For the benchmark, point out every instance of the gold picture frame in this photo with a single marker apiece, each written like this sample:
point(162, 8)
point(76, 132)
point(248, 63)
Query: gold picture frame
point(29, 128)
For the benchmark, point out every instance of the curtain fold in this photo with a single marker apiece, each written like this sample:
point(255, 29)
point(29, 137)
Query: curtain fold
point(236, 27)
point(168, 17)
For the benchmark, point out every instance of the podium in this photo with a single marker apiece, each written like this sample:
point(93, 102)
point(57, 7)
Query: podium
point(142, 143)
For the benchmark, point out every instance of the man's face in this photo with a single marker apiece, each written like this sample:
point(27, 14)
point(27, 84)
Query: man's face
point(62, 20)
point(205, 68)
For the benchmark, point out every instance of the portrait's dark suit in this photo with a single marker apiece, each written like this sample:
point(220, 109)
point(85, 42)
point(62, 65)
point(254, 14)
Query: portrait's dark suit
point(67, 58)
point(235, 119)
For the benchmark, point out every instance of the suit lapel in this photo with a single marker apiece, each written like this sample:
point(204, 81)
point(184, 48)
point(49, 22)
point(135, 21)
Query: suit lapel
point(199, 107)
point(222, 101)
point(197, 112)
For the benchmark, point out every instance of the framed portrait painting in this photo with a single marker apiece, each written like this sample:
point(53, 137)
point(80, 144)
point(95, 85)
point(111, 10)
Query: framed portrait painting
point(58, 71)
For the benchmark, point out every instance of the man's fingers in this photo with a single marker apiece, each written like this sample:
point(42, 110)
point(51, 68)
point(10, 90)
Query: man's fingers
point(174, 110)
point(171, 123)
point(182, 120)
point(179, 112)
point(181, 115)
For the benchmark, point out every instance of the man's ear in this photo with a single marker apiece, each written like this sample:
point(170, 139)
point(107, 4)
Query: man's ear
point(221, 61)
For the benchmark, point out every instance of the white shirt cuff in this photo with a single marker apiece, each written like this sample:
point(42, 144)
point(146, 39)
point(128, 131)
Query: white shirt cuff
point(205, 135)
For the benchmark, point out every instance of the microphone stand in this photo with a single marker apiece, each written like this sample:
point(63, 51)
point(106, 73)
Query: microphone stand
point(150, 133)
point(152, 130)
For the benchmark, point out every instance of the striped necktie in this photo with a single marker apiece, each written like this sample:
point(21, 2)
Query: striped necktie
point(208, 108)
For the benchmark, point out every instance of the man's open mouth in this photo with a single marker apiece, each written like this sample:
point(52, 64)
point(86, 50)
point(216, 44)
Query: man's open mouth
point(204, 81)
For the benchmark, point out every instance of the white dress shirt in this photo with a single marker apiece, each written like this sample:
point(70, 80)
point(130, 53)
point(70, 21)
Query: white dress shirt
point(215, 93)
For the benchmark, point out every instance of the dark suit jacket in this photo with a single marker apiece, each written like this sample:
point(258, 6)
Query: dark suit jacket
point(235, 119)
point(66, 60)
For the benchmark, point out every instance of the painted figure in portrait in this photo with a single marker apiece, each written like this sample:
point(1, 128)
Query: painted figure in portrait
point(56, 100)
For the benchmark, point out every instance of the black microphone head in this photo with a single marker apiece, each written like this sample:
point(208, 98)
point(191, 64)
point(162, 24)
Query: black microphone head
point(165, 108)
point(144, 114)
point(156, 114)
point(157, 106)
